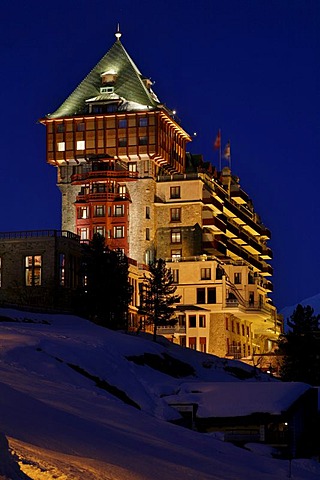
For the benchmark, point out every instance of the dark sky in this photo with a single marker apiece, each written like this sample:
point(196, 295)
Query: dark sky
point(250, 68)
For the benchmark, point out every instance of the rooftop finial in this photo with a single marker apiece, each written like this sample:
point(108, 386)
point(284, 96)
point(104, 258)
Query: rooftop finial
point(118, 33)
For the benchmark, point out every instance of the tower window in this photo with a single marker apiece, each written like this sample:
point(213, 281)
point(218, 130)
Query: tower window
point(60, 128)
point(99, 211)
point(119, 210)
point(61, 146)
point(143, 121)
point(176, 236)
point(147, 212)
point(132, 167)
point(122, 142)
point(122, 123)
point(83, 212)
point(143, 140)
point(147, 233)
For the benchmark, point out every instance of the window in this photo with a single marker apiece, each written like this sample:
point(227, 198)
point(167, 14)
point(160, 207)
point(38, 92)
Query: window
point(81, 144)
point(122, 123)
point(176, 236)
point(99, 211)
point(118, 232)
point(132, 167)
point(202, 321)
point(212, 298)
point(122, 142)
point(122, 191)
point(80, 127)
point(100, 229)
point(192, 321)
point(147, 233)
point(205, 273)
point(119, 210)
point(227, 323)
point(201, 295)
point(83, 233)
point(175, 275)
point(61, 146)
point(33, 270)
point(143, 140)
point(251, 299)
point(175, 254)
point(238, 328)
point(250, 278)
point(183, 342)
point(203, 344)
point(175, 192)
point(62, 264)
point(237, 278)
point(60, 128)
point(143, 121)
point(232, 325)
point(242, 330)
point(219, 273)
point(181, 320)
point(248, 332)
point(147, 212)
point(175, 214)
point(83, 212)
point(193, 343)
point(249, 351)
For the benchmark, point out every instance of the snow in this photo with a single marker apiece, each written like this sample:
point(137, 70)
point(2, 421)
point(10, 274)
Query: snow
point(218, 399)
point(61, 425)
point(314, 302)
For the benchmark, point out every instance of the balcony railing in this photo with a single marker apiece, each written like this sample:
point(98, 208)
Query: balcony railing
point(102, 197)
point(37, 234)
point(81, 177)
point(171, 329)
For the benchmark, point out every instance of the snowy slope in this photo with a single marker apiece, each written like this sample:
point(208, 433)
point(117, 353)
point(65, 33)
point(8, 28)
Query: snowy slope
point(314, 302)
point(73, 407)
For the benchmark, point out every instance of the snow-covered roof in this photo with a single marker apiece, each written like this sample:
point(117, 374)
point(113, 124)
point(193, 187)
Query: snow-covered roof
point(229, 399)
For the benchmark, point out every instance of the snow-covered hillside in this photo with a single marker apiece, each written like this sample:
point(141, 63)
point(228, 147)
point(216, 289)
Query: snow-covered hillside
point(314, 302)
point(79, 402)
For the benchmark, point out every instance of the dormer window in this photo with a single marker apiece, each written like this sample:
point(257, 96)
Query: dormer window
point(147, 83)
point(108, 78)
point(106, 89)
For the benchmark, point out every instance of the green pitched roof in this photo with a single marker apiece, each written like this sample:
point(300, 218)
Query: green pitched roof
point(129, 84)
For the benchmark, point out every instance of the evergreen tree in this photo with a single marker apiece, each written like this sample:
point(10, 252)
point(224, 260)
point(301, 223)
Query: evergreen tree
point(105, 293)
point(300, 347)
point(158, 296)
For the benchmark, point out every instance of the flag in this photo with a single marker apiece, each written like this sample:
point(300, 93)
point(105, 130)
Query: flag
point(227, 151)
point(217, 142)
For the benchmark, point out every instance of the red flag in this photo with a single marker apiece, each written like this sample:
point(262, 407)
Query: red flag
point(217, 142)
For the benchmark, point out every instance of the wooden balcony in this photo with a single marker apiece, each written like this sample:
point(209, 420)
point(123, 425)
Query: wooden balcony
point(80, 178)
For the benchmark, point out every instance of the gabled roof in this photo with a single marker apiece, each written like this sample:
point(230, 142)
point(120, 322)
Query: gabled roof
point(129, 84)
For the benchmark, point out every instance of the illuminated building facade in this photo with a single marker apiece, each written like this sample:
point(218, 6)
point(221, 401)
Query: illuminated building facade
point(124, 172)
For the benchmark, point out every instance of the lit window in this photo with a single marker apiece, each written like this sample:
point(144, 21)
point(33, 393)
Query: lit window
point(122, 123)
point(175, 275)
point(175, 192)
point(33, 270)
point(61, 146)
point(62, 264)
point(100, 230)
point(132, 167)
point(175, 214)
point(81, 144)
point(83, 212)
point(205, 273)
point(202, 321)
point(119, 210)
point(99, 211)
point(83, 233)
point(122, 191)
point(143, 121)
point(237, 278)
point(175, 254)
point(176, 236)
point(192, 321)
point(118, 231)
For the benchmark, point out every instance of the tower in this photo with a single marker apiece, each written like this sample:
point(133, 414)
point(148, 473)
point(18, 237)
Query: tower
point(124, 172)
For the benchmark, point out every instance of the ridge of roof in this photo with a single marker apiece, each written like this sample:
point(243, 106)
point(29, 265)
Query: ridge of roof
point(129, 84)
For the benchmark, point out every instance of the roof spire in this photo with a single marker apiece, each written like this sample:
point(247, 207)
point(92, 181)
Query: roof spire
point(118, 33)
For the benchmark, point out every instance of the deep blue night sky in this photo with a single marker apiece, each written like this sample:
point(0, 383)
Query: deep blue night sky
point(250, 68)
